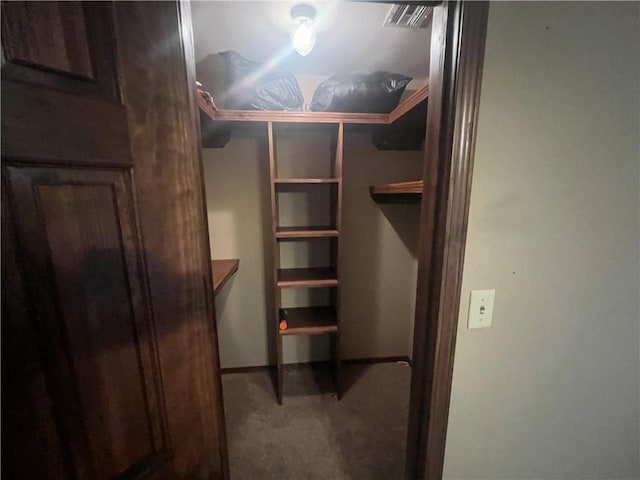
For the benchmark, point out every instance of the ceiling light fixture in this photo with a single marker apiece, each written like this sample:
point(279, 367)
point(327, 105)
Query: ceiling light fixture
point(303, 34)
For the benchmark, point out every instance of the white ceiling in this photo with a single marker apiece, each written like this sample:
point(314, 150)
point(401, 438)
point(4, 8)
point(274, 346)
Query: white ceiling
point(350, 37)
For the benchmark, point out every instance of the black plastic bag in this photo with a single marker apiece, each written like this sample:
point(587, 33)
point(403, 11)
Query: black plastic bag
point(251, 88)
point(377, 92)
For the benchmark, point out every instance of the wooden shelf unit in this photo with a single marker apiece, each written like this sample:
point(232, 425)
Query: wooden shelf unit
point(222, 271)
point(314, 319)
point(401, 192)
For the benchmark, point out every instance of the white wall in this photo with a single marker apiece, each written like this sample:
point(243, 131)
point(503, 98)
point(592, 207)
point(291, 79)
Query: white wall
point(378, 267)
point(552, 389)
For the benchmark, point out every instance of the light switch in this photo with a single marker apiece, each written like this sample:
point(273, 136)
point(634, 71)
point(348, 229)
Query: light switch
point(481, 308)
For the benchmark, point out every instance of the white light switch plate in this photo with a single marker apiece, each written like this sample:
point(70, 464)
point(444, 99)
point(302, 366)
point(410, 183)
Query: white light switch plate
point(481, 308)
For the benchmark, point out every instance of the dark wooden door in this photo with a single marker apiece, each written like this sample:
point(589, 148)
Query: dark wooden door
point(109, 358)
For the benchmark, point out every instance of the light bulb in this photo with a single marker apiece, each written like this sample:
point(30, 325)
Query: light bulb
point(303, 37)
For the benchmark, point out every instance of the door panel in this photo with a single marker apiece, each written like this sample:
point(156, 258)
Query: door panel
point(31, 446)
point(63, 45)
point(48, 35)
point(62, 127)
point(109, 354)
point(78, 228)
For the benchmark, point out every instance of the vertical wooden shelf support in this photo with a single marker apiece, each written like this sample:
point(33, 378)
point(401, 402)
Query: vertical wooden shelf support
point(273, 174)
point(335, 254)
point(310, 320)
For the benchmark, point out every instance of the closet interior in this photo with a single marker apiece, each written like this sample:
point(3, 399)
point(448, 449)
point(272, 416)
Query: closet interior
point(313, 215)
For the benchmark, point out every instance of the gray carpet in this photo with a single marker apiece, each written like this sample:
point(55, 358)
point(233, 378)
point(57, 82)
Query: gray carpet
point(313, 435)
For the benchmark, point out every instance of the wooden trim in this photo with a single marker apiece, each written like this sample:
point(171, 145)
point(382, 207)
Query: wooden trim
point(315, 117)
point(411, 102)
point(401, 192)
point(328, 363)
point(289, 233)
point(205, 106)
point(310, 277)
point(458, 36)
point(336, 255)
point(299, 117)
point(275, 258)
point(185, 24)
point(305, 181)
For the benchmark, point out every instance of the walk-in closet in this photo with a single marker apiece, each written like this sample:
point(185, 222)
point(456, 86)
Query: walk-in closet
point(313, 219)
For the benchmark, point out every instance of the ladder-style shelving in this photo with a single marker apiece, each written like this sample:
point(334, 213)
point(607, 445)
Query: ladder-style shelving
point(308, 320)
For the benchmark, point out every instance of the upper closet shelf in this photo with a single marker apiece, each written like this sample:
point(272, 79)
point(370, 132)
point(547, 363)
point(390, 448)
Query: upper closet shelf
point(402, 192)
point(314, 117)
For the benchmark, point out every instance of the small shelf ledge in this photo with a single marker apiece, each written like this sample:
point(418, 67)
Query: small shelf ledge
point(307, 277)
point(222, 271)
point(303, 181)
point(310, 321)
point(401, 192)
point(286, 233)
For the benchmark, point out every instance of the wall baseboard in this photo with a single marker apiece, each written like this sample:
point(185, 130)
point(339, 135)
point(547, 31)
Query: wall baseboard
point(351, 361)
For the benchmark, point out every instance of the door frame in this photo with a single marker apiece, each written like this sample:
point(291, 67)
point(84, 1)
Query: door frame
point(457, 56)
point(456, 63)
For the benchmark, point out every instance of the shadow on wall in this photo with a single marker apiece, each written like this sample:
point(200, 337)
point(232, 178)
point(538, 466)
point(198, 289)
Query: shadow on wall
point(109, 328)
point(236, 195)
point(405, 220)
point(379, 245)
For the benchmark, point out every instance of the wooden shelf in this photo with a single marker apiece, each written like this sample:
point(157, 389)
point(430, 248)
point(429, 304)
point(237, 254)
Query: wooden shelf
point(310, 321)
point(287, 181)
point(409, 103)
point(222, 271)
point(307, 277)
point(401, 192)
point(206, 107)
point(315, 117)
point(284, 233)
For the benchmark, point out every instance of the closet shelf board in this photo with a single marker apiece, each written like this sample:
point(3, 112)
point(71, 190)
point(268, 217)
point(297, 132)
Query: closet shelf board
point(315, 117)
point(402, 192)
point(284, 233)
point(305, 180)
point(307, 277)
point(222, 271)
point(310, 321)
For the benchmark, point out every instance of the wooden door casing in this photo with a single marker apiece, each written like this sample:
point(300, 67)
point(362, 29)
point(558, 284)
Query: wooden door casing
point(455, 78)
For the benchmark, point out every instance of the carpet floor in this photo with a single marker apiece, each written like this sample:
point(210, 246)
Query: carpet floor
point(313, 435)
